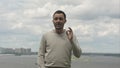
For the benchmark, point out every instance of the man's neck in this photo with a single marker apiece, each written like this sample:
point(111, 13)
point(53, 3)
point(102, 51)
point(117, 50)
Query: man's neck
point(59, 31)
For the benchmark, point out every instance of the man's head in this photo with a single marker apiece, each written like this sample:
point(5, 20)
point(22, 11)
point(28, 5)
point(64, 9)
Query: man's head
point(59, 19)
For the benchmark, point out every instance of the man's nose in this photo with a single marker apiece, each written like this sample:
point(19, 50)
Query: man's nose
point(58, 20)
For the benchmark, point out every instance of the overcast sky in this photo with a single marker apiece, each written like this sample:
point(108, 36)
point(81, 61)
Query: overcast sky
point(96, 23)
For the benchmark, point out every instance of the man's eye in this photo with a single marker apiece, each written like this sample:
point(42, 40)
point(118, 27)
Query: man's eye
point(61, 18)
point(55, 18)
point(58, 18)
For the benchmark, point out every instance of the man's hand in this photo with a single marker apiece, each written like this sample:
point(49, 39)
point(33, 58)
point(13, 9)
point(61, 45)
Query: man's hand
point(70, 34)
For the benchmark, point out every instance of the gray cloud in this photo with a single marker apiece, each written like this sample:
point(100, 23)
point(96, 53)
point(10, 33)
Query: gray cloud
point(95, 22)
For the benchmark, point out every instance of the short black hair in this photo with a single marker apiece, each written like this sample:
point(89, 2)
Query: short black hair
point(60, 11)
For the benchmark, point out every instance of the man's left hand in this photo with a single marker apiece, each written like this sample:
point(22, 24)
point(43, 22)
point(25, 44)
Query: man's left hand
point(69, 34)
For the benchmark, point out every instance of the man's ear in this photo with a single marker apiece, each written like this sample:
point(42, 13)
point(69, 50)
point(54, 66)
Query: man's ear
point(65, 20)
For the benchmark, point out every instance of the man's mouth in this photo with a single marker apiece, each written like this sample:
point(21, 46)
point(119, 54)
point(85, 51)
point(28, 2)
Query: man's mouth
point(58, 26)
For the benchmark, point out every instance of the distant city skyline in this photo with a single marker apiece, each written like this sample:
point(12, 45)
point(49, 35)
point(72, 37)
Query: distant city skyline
point(16, 51)
point(96, 23)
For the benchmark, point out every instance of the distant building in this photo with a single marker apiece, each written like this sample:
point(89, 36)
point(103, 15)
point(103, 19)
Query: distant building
point(16, 51)
point(7, 51)
point(23, 51)
point(28, 51)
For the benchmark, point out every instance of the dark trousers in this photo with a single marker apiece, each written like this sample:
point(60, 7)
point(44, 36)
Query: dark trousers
point(57, 67)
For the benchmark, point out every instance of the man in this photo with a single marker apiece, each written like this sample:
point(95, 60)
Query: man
point(57, 45)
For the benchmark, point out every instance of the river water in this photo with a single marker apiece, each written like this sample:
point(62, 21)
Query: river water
point(25, 61)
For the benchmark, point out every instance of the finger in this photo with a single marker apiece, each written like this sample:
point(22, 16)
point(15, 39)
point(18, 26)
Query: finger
point(67, 32)
point(69, 28)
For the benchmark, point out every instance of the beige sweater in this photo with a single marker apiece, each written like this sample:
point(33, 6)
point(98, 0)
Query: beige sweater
point(56, 50)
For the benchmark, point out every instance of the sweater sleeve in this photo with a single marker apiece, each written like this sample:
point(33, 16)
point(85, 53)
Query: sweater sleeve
point(76, 48)
point(41, 54)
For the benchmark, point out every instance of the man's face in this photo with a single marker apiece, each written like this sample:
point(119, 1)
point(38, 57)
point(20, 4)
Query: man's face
point(59, 21)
